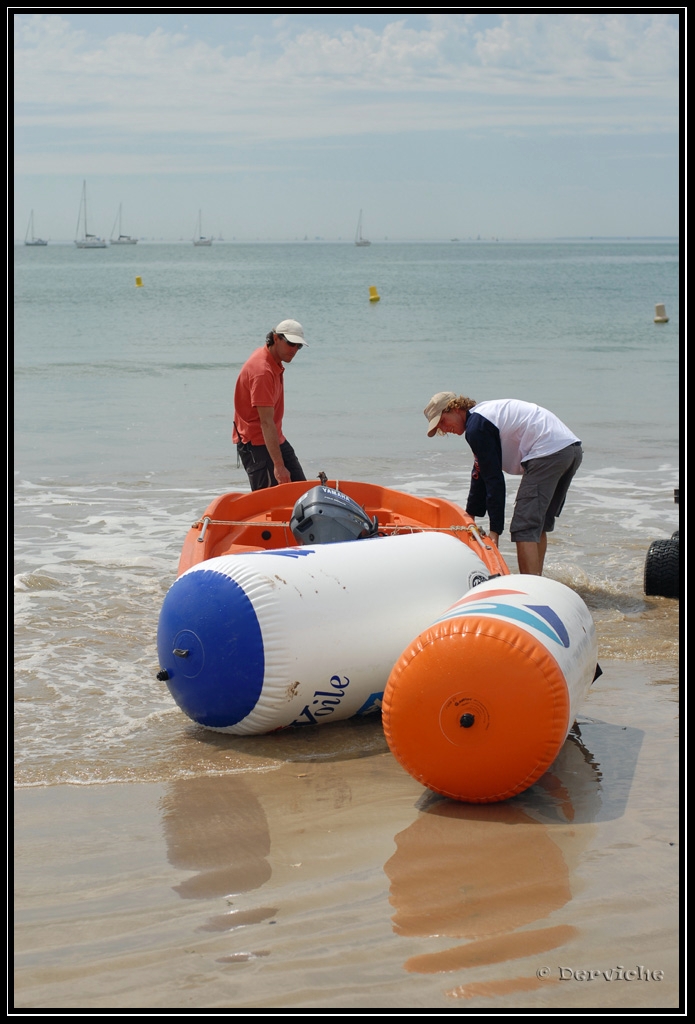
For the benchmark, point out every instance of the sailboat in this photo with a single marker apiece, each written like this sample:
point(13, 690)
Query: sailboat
point(121, 239)
point(358, 234)
point(30, 238)
point(199, 238)
point(85, 240)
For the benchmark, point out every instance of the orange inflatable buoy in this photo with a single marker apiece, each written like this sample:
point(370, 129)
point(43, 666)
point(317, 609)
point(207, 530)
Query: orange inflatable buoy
point(480, 703)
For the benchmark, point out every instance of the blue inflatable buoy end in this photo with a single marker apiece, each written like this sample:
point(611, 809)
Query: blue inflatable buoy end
point(210, 645)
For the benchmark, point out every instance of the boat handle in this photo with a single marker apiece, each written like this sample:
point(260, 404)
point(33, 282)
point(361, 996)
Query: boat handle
point(474, 530)
point(206, 522)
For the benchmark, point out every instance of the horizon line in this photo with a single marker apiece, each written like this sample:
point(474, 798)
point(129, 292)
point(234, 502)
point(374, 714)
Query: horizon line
point(399, 241)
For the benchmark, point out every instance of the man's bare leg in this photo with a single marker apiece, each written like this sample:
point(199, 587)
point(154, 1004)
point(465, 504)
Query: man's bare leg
point(531, 555)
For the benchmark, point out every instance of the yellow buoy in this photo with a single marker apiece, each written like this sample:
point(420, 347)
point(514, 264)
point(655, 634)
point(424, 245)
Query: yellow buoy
point(373, 295)
point(660, 314)
point(138, 282)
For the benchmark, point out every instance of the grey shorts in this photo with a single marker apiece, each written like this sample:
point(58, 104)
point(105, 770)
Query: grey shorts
point(542, 493)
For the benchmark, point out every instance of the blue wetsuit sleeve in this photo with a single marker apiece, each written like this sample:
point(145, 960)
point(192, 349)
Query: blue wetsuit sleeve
point(488, 490)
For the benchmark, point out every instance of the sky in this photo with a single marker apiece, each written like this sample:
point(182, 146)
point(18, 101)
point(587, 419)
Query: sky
point(513, 125)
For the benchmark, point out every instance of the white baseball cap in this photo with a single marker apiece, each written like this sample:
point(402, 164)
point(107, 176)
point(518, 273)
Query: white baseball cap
point(292, 330)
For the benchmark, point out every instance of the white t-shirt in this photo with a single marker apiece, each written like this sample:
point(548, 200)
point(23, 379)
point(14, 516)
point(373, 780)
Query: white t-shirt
point(527, 431)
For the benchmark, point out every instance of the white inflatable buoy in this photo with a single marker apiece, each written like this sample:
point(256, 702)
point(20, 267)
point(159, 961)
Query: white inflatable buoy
point(479, 704)
point(254, 642)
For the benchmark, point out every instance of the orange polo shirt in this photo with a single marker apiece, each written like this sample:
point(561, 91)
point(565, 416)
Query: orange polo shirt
point(259, 383)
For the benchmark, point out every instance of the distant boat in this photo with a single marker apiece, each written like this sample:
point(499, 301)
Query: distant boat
point(85, 240)
point(199, 238)
point(359, 240)
point(30, 238)
point(121, 239)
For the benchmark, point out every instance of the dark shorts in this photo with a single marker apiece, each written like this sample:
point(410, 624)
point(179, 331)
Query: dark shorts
point(542, 493)
point(258, 464)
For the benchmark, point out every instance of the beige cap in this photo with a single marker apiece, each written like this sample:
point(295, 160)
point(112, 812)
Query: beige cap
point(434, 409)
point(292, 330)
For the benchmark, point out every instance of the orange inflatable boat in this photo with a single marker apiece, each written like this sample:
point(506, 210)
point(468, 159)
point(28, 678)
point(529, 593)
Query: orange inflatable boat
point(293, 603)
point(237, 523)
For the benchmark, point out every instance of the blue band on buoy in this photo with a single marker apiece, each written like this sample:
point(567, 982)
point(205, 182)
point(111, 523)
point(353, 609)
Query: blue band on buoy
point(207, 612)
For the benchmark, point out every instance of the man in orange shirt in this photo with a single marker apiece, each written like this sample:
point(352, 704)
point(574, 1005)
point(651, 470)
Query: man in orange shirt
point(259, 405)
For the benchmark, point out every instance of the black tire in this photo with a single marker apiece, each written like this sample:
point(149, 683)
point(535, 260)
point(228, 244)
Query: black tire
point(662, 569)
point(676, 535)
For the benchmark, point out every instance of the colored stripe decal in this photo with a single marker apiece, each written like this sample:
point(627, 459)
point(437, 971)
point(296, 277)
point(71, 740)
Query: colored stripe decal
point(545, 620)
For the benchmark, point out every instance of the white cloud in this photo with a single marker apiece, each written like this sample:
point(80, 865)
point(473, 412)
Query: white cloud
point(564, 123)
point(526, 69)
point(621, 51)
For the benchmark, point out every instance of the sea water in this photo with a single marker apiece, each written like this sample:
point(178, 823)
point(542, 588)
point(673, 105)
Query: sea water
point(123, 405)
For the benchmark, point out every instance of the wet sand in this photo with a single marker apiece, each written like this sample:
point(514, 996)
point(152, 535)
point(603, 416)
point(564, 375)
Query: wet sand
point(336, 881)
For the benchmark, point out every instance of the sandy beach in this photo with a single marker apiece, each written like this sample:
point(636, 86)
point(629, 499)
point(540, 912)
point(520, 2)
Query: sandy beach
point(334, 880)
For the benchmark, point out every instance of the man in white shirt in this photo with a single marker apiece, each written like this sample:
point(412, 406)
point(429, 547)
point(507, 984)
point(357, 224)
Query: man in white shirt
point(519, 438)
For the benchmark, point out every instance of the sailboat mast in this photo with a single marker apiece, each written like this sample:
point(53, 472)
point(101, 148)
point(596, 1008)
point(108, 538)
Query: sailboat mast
point(79, 212)
point(359, 240)
point(117, 221)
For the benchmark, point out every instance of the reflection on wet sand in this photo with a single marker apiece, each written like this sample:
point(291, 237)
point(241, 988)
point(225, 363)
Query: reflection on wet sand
point(477, 872)
point(218, 829)
point(487, 872)
point(493, 884)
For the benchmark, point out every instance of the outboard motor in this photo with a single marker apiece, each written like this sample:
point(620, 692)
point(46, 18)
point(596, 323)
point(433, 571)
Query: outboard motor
point(325, 516)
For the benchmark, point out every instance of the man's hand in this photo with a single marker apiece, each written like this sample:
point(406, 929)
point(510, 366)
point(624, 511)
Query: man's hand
point(282, 473)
